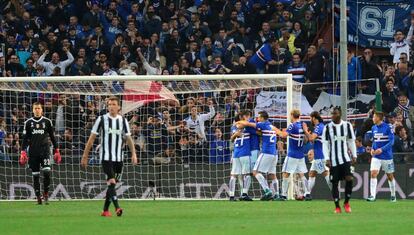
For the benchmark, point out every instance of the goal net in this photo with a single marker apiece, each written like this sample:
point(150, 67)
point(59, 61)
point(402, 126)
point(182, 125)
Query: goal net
point(179, 157)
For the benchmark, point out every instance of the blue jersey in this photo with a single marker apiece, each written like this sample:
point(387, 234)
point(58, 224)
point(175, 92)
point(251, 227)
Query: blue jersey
point(383, 138)
point(262, 56)
point(241, 144)
point(268, 137)
point(254, 138)
point(296, 138)
point(317, 146)
point(361, 150)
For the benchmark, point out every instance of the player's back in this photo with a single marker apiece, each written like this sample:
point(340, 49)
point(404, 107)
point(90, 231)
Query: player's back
point(296, 139)
point(254, 138)
point(268, 137)
point(241, 144)
point(317, 146)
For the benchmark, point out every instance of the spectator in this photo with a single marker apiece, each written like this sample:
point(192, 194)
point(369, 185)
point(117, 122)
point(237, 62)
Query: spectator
point(401, 44)
point(68, 144)
point(156, 135)
point(196, 122)
point(314, 73)
point(219, 148)
point(175, 47)
point(354, 73)
point(287, 41)
point(389, 96)
point(402, 142)
point(167, 157)
point(369, 70)
point(297, 69)
point(154, 67)
point(406, 110)
point(55, 62)
point(263, 56)
point(364, 156)
point(14, 68)
point(407, 85)
point(309, 25)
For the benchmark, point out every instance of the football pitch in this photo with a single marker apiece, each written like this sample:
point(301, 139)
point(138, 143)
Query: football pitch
point(207, 217)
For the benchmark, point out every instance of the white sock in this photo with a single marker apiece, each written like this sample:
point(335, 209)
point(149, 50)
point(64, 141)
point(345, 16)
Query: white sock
point(232, 186)
point(275, 186)
point(311, 183)
point(262, 181)
point(285, 186)
point(328, 181)
point(392, 187)
point(305, 185)
point(247, 182)
point(373, 187)
point(240, 178)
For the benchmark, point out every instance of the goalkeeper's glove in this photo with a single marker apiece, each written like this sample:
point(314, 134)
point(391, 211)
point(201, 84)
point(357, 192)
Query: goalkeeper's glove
point(57, 156)
point(23, 158)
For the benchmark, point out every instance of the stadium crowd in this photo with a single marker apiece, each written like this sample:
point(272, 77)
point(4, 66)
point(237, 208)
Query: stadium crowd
point(119, 37)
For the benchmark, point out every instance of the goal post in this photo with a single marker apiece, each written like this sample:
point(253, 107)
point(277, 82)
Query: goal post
point(177, 161)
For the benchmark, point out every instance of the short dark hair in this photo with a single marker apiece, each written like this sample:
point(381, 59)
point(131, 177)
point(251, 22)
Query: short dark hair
point(337, 108)
point(264, 115)
point(114, 98)
point(316, 115)
point(37, 104)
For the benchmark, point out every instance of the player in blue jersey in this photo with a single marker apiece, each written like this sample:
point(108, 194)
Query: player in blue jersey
point(267, 160)
point(254, 149)
point(241, 161)
point(295, 159)
point(382, 156)
point(318, 160)
point(254, 140)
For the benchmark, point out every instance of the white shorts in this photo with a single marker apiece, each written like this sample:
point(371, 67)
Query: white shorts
point(387, 165)
point(266, 163)
point(294, 165)
point(241, 166)
point(253, 158)
point(319, 166)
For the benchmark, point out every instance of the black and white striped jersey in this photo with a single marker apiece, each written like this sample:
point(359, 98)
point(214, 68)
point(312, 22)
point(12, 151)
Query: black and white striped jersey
point(338, 141)
point(112, 131)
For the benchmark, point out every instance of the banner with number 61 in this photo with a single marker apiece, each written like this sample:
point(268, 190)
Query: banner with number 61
point(373, 23)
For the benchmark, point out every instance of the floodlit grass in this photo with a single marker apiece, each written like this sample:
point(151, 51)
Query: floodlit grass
point(207, 217)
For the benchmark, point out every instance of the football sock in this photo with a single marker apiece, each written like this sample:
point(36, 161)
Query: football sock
point(373, 187)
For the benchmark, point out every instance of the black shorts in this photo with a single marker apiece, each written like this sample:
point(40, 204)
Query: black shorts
point(37, 163)
point(339, 172)
point(113, 170)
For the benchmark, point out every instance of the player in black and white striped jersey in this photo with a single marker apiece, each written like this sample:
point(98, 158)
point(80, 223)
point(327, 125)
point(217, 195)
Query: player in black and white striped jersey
point(113, 129)
point(338, 140)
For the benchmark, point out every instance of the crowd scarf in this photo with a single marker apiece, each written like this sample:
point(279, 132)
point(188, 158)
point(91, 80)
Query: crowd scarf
point(405, 109)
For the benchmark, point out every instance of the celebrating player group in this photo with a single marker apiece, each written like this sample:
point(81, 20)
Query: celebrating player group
point(255, 153)
point(333, 155)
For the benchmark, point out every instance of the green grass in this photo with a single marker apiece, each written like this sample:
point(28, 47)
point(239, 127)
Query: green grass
point(207, 217)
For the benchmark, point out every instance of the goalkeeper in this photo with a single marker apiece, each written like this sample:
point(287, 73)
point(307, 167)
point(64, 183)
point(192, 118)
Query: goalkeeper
point(36, 150)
